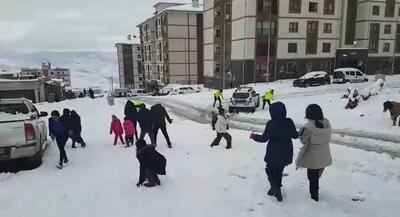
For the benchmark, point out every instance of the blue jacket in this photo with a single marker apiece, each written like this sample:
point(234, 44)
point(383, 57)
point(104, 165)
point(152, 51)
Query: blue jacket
point(57, 128)
point(279, 133)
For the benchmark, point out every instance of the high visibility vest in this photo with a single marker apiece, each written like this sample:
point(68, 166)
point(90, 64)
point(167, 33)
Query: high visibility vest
point(268, 96)
point(137, 102)
point(218, 94)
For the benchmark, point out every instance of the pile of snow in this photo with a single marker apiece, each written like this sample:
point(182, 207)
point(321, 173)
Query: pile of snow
point(312, 74)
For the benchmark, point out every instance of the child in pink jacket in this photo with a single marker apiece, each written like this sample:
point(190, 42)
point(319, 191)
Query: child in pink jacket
point(116, 127)
point(130, 132)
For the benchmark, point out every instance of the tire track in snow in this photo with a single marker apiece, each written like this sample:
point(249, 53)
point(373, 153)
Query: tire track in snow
point(367, 141)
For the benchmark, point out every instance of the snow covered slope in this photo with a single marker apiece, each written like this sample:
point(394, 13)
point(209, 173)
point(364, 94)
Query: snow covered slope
point(88, 69)
point(100, 180)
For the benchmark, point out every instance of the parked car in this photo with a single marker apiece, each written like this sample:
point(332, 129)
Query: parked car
point(98, 93)
point(244, 99)
point(139, 92)
point(23, 131)
point(343, 75)
point(315, 78)
point(121, 92)
point(182, 90)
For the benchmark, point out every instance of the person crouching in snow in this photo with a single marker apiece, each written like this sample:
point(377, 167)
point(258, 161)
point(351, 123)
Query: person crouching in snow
point(315, 155)
point(279, 133)
point(116, 128)
point(130, 132)
point(152, 164)
point(220, 123)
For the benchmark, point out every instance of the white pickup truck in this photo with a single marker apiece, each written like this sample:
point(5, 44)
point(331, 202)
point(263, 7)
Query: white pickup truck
point(23, 131)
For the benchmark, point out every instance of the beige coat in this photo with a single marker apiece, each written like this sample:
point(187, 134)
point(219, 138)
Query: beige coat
point(315, 154)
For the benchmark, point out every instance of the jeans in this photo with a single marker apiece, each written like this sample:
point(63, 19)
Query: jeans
point(217, 99)
point(226, 136)
point(61, 141)
point(164, 131)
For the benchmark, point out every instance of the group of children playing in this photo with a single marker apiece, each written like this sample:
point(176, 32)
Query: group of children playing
point(118, 129)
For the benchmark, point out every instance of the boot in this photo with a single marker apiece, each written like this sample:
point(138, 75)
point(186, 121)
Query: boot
point(270, 192)
point(315, 197)
point(157, 180)
point(149, 184)
point(169, 145)
point(278, 194)
point(228, 147)
point(212, 145)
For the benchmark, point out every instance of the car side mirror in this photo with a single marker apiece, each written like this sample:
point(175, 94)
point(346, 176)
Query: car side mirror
point(43, 114)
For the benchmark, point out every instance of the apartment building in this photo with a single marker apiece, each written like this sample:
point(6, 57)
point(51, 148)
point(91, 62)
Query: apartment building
point(248, 41)
point(130, 66)
point(171, 43)
point(48, 72)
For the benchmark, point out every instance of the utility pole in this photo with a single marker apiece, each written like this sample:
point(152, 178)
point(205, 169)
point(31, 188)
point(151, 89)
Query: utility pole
point(244, 41)
point(269, 37)
point(396, 37)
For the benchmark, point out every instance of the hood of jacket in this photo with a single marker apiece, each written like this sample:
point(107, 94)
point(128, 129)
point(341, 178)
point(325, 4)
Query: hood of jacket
point(277, 111)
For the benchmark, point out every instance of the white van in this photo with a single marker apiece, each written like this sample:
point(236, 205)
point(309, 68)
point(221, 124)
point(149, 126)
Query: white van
point(182, 90)
point(139, 92)
point(343, 75)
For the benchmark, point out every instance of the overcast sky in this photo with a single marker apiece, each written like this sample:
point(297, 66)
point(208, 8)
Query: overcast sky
point(70, 24)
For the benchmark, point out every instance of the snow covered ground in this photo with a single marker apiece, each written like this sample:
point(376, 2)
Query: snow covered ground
point(100, 180)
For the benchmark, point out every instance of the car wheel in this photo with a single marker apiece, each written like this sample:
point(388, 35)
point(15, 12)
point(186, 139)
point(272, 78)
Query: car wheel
point(253, 110)
point(230, 110)
point(306, 84)
point(347, 81)
point(365, 80)
point(327, 82)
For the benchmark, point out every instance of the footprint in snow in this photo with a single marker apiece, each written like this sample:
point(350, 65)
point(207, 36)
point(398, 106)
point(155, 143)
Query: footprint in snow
point(250, 210)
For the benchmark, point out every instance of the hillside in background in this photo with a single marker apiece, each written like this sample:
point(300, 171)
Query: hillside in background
point(88, 68)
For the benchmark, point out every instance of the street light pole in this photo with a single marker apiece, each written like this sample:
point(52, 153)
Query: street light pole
point(396, 37)
point(269, 37)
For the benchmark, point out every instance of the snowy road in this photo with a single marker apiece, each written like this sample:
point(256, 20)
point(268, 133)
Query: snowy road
point(100, 180)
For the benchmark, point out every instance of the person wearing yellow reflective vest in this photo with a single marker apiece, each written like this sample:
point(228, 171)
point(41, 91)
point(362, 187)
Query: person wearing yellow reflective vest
point(137, 103)
point(218, 96)
point(268, 97)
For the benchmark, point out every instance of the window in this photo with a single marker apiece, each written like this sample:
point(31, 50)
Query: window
point(292, 48)
point(373, 46)
point(386, 47)
point(326, 47)
point(51, 73)
point(262, 49)
point(390, 8)
point(327, 27)
point(313, 7)
point(138, 56)
point(228, 9)
point(358, 73)
point(263, 6)
point(217, 67)
point(388, 29)
point(263, 28)
point(329, 7)
point(293, 27)
point(375, 10)
point(295, 6)
point(137, 48)
point(352, 73)
point(217, 33)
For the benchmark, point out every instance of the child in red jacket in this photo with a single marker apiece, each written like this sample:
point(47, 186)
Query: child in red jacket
point(116, 127)
point(130, 132)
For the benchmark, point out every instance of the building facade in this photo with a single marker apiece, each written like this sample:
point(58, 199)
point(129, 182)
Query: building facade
point(48, 72)
point(172, 42)
point(130, 66)
point(247, 41)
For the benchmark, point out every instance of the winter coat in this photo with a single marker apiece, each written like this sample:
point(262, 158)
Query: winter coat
point(116, 127)
point(159, 114)
point(76, 123)
point(129, 128)
point(315, 154)
point(268, 95)
point(66, 120)
point(57, 128)
point(150, 159)
point(221, 125)
point(145, 119)
point(279, 133)
point(218, 94)
point(131, 111)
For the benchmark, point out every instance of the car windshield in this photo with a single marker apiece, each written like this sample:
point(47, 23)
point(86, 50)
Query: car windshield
point(13, 108)
point(241, 95)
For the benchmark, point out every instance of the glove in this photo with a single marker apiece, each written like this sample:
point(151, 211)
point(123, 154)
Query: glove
point(213, 128)
point(171, 121)
point(70, 133)
point(110, 132)
point(252, 135)
point(139, 185)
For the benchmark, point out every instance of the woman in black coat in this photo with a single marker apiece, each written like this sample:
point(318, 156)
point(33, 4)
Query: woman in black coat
point(131, 113)
point(279, 133)
point(151, 162)
point(159, 114)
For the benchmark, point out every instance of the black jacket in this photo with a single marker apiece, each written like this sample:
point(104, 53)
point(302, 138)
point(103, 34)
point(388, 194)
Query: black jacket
point(66, 120)
point(159, 114)
point(131, 111)
point(76, 123)
point(145, 120)
point(152, 160)
point(279, 133)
